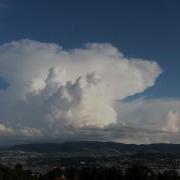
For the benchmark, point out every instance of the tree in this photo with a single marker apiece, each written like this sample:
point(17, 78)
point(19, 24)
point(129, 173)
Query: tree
point(170, 175)
point(139, 173)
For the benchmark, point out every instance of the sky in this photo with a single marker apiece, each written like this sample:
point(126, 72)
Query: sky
point(90, 70)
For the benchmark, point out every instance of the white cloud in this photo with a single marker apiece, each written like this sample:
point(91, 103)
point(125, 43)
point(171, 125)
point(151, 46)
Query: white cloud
point(152, 114)
point(31, 132)
point(54, 91)
point(173, 122)
point(154, 121)
point(5, 131)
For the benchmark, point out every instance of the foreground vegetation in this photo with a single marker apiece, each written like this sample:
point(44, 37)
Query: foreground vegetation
point(132, 173)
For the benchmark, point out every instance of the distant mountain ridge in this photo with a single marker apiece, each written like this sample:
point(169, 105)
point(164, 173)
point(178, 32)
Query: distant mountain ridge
point(97, 147)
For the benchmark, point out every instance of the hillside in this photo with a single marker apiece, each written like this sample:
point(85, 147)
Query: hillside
point(98, 147)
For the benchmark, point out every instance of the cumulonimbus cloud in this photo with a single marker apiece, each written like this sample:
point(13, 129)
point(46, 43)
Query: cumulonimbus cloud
point(53, 91)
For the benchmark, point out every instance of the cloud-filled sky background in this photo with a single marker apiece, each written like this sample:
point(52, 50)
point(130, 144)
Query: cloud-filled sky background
point(94, 70)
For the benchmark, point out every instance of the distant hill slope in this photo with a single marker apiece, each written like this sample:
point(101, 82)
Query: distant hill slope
point(98, 147)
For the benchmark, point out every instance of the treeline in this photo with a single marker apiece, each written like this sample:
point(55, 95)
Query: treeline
point(132, 173)
point(15, 174)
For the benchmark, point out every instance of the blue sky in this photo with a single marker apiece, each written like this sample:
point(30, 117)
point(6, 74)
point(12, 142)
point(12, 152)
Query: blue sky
point(88, 90)
point(145, 29)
